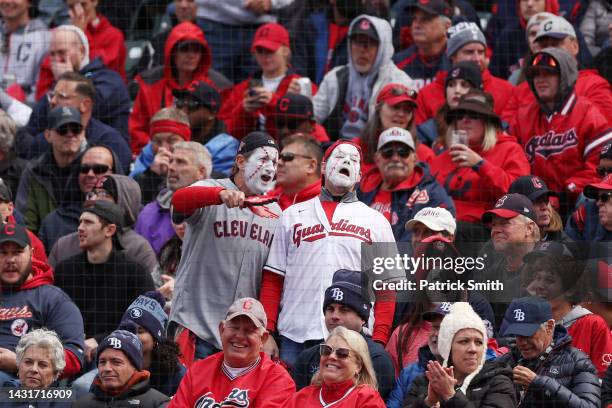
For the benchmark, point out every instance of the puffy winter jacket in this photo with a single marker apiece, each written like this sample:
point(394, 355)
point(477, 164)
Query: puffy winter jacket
point(491, 387)
point(566, 378)
point(140, 395)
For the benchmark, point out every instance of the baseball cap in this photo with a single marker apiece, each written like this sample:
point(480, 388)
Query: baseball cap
point(547, 248)
point(461, 34)
point(466, 70)
point(433, 7)
point(441, 309)
point(10, 232)
point(62, 115)
point(295, 106)
point(106, 210)
point(200, 90)
point(606, 152)
point(395, 134)
point(510, 206)
point(394, 94)
point(250, 308)
point(555, 27)
point(533, 187)
point(537, 19)
point(5, 192)
point(434, 218)
point(524, 316)
point(125, 340)
point(592, 190)
point(254, 140)
point(364, 26)
point(270, 36)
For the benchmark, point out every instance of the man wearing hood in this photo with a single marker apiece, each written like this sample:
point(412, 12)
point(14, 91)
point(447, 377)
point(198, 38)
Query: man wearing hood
point(124, 192)
point(312, 240)
point(398, 186)
point(226, 243)
point(562, 133)
point(30, 301)
point(345, 100)
point(557, 32)
point(187, 59)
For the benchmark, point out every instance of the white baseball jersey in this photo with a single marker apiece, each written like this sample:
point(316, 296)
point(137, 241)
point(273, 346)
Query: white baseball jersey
point(224, 251)
point(308, 249)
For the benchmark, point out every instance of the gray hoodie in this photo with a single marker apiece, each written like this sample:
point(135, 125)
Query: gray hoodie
point(568, 68)
point(134, 245)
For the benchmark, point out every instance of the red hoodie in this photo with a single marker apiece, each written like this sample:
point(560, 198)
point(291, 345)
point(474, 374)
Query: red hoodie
point(105, 41)
point(474, 192)
point(307, 193)
point(432, 97)
point(157, 95)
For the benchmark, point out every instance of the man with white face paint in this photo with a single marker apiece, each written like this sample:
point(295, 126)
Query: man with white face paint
point(226, 243)
point(312, 240)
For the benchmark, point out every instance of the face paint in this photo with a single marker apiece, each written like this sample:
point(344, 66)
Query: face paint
point(343, 166)
point(260, 169)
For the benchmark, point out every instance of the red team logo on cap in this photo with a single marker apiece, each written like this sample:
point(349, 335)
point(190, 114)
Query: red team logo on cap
point(365, 24)
point(501, 201)
point(8, 229)
point(537, 183)
point(284, 104)
point(247, 305)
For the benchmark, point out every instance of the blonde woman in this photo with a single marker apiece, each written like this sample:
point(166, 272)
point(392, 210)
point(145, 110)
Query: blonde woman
point(345, 378)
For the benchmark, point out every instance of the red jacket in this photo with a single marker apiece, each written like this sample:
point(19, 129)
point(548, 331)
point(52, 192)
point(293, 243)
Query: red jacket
point(105, 41)
point(362, 396)
point(240, 122)
point(432, 97)
point(591, 334)
point(476, 191)
point(588, 85)
point(564, 149)
point(157, 95)
point(207, 384)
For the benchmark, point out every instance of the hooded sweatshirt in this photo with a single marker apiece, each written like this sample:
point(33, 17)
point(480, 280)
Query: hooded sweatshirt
point(37, 304)
point(152, 96)
point(562, 143)
point(346, 99)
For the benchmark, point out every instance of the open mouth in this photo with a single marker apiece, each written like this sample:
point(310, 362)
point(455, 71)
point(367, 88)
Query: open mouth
point(266, 178)
point(345, 172)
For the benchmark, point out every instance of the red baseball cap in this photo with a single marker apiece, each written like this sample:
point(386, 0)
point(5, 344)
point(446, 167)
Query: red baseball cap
point(270, 36)
point(393, 94)
point(591, 190)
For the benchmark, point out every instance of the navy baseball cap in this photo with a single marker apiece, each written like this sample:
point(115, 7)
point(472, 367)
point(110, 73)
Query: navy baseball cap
point(200, 90)
point(62, 115)
point(531, 186)
point(432, 7)
point(10, 232)
point(509, 206)
point(254, 140)
point(364, 26)
point(524, 316)
point(441, 309)
point(548, 248)
point(606, 152)
point(295, 106)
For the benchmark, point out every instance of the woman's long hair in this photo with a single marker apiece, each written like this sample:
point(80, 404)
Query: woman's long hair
point(164, 362)
point(408, 327)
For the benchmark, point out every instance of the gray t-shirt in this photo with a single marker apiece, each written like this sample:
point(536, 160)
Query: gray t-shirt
point(224, 252)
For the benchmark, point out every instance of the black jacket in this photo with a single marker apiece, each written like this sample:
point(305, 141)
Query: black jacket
point(140, 395)
point(606, 389)
point(566, 378)
point(307, 365)
point(491, 387)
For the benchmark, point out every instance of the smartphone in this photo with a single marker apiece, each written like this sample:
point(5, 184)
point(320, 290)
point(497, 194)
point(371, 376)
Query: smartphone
point(254, 83)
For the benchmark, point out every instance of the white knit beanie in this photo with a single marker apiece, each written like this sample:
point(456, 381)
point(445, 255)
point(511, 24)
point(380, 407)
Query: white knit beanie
point(82, 38)
point(461, 316)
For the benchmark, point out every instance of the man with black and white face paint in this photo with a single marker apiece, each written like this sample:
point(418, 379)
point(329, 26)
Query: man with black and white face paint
point(312, 240)
point(227, 239)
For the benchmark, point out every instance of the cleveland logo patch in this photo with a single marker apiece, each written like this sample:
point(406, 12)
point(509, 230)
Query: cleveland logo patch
point(550, 144)
point(237, 398)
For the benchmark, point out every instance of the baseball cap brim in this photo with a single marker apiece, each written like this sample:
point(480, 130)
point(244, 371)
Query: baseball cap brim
point(432, 226)
point(266, 44)
point(251, 316)
point(537, 194)
point(430, 315)
point(423, 8)
point(17, 241)
point(557, 36)
point(65, 121)
point(487, 217)
point(591, 190)
point(520, 329)
point(396, 100)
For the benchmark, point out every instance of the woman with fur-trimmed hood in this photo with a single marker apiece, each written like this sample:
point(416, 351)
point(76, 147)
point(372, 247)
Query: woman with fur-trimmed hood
point(465, 379)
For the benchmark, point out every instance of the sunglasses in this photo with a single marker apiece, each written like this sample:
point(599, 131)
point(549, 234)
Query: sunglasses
point(604, 171)
point(341, 352)
point(191, 105)
point(389, 151)
point(399, 91)
point(544, 60)
point(73, 128)
point(287, 156)
point(603, 197)
point(289, 123)
point(97, 168)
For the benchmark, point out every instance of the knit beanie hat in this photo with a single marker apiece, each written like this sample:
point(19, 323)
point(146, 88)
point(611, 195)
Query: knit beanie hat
point(461, 316)
point(148, 311)
point(346, 290)
point(126, 341)
point(461, 34)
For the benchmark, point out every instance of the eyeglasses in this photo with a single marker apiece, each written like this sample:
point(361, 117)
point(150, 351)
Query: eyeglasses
point(73, 128)
point(62, 96)
point(342, 353)
point(288, 156)
point(191, 105)
point(400, 90)
point(97, 168)
point(604, 171)
point(603, 197)
point(389, 151)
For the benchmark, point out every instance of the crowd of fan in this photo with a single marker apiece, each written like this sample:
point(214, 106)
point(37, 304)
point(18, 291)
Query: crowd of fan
point(190, 232)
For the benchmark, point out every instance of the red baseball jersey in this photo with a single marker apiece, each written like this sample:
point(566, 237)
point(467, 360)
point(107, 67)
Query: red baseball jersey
point(563, 149)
